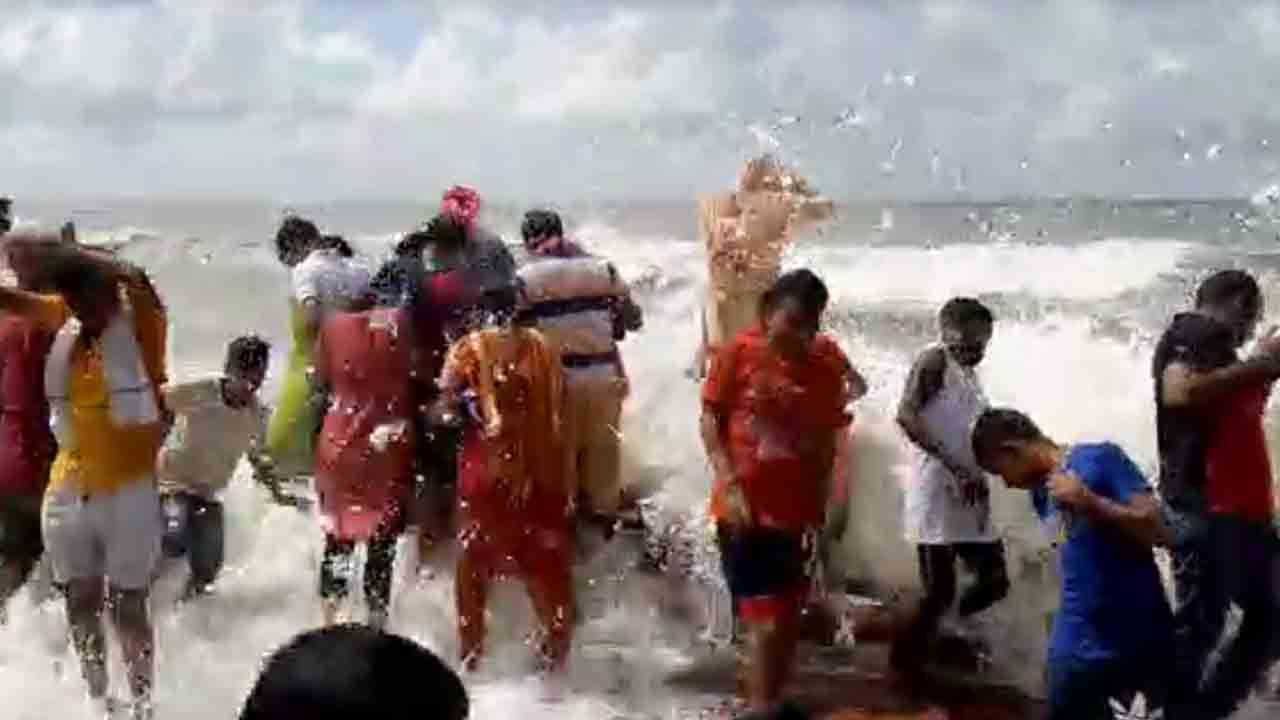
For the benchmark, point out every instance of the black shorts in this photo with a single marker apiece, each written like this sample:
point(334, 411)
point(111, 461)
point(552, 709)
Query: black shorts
point(20, 536)
point(761, 563)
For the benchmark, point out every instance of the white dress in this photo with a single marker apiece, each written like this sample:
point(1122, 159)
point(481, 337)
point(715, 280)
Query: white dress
point(934, 509)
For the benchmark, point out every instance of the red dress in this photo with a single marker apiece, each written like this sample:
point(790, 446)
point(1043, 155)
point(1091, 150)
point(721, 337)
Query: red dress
point(364, 456)
point(513, 500)
point(26, 445)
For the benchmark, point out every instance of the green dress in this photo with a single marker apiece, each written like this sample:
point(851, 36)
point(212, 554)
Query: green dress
point(291, 433)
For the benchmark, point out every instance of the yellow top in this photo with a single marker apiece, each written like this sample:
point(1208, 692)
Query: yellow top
point(107, 457)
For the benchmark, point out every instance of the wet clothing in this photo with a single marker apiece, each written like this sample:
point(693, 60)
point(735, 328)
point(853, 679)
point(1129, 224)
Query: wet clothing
point(576, 299)
point(194, 528)
point(1114, 623)
point(398, 283)
point(936, 511)
point(937, 563)
point(513, 499)
point(208, 438)
point(1108, 690)
point(26, 444)
point(336, 570)
point(296, 418)
point(1215, 477)
point(106, 456)
point(115, 535)
point(593, 442)
point(365, 455)
point(767, 571)
point(330, 278)
point(485, 259)
point(776, 414)
point(21, 542)
point(1186, 434)
point(1224, 565)
point(333, 281)
point(513, 446)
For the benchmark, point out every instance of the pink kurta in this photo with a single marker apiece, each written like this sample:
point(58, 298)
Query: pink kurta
point(364, 456)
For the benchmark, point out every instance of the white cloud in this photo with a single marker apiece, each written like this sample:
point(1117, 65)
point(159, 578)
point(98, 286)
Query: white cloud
point(312, 98)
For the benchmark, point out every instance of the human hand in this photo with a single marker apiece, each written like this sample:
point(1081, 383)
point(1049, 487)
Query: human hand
point(1067, 489)
point(1268, 345)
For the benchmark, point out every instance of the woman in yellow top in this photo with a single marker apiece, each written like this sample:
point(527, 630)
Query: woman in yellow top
point(101, 516)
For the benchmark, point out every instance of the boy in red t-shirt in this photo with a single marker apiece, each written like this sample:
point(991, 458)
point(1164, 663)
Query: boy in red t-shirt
point(773, 404)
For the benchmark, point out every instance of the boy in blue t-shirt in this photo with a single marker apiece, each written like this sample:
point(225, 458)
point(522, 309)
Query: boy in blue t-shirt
point(1112, 638)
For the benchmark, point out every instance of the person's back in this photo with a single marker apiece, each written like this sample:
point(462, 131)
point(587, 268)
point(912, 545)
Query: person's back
point(366, 359)
point(583, 307)
point(350, 672)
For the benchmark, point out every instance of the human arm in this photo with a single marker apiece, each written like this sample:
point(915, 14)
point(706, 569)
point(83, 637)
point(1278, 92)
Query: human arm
point(718, 395)
point(1134, 511)
point(1200, 364)
point(264, 468)
point(1182, 386)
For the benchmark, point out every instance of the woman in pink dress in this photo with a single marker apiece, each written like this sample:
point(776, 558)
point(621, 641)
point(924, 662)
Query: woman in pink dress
point(365, 453)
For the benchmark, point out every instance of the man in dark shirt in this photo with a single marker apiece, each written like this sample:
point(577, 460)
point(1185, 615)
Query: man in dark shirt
point(1215, 478)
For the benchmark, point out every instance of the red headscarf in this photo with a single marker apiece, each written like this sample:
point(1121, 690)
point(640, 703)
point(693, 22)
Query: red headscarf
point(461, 204)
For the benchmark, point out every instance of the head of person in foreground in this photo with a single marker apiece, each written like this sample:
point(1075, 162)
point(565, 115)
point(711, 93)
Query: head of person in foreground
point(1233, 298)
point(1008, 443)
point(346, 672)
point(791, 311)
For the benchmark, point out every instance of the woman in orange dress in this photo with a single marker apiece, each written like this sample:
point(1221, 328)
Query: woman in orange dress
point(505, 384)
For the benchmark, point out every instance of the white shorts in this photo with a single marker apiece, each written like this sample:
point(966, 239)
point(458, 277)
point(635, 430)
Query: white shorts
point(113, 535)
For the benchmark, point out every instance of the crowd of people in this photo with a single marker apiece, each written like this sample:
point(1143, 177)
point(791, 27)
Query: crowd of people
point(455, 393)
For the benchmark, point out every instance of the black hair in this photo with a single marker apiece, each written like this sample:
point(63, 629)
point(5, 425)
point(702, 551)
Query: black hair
point(248, 352)
point(1225, 286)
point(353, 671)
point(964, 311)
point(295, 232)
point(541, 223)
point(411, 244)
point(337, 242)
point(79, 279)
point(801, 285)
point(445, 232)
point(997, 426)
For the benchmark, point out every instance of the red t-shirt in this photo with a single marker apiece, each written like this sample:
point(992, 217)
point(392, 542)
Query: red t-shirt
point(26, 445)
point(1238, 468)
point(780, 418)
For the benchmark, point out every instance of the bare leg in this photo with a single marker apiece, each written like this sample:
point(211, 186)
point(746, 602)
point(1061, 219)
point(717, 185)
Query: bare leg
point(131, 615)
point(771, 652)
point(552, 598)
point(86, 599)
point(472, 591)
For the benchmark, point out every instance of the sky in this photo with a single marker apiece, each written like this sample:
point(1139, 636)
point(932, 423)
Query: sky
point(303, 100)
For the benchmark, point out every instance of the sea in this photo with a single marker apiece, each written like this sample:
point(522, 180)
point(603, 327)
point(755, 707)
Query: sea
point(1081, 288)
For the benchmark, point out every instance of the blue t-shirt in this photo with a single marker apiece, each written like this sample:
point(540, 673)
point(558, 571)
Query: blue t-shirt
point(1113, 604)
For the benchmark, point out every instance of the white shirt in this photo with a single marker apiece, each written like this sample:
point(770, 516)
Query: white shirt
point(207, 439)
point(330, 278)
point(934, 509)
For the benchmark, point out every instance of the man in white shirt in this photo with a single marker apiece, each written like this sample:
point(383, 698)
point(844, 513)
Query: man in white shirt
point(217, 420)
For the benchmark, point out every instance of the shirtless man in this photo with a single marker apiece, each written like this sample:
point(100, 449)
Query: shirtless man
point(746, 233)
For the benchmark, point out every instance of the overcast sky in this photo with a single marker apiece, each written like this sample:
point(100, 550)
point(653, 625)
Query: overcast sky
point(323, 99)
